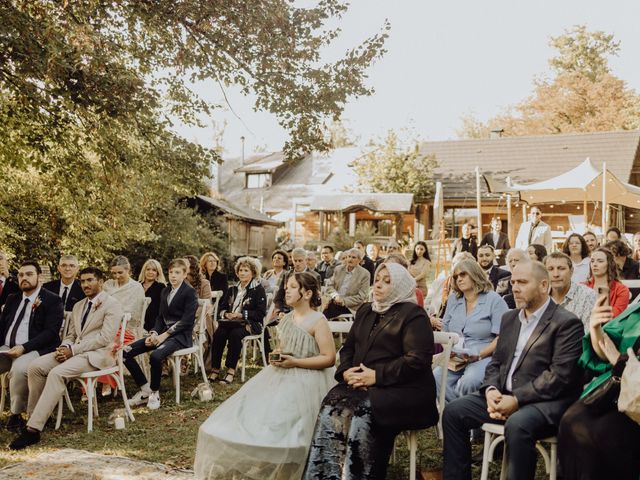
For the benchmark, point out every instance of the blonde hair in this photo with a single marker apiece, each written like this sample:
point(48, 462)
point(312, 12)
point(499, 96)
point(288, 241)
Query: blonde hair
point(205, 258)
point(155, 264)
point(477, 275)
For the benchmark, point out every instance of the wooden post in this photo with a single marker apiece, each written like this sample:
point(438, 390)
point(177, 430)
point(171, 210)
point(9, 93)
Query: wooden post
point(604, 198)
point(586, 215)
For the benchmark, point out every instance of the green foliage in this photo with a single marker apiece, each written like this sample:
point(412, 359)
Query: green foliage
point(341, 241)
point(389, 167)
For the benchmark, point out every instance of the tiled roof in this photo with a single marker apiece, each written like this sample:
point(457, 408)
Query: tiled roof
point(240, 211)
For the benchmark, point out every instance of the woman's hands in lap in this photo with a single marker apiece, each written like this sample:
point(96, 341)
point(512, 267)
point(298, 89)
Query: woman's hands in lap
point(360, 377)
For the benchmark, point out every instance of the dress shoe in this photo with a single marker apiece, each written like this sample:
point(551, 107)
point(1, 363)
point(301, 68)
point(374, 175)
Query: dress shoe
point(15, 423)
point(25, 439)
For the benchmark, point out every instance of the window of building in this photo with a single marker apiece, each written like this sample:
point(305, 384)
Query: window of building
point(258, 180)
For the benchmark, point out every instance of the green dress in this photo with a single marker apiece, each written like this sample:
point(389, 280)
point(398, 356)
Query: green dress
point(624, 331)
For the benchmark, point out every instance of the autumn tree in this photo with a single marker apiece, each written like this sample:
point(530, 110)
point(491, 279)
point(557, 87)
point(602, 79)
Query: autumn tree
point(391, 167)
point(583, 96)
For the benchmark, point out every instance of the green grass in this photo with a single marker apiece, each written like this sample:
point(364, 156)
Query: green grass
point(168, 435)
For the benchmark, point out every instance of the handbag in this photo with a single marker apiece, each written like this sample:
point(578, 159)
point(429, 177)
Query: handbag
point(629, 399)
point(603, 398)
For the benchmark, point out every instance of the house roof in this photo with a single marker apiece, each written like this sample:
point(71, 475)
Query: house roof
point(377, 202)
point(242, 212)
point(530, 158)
point(262, 163)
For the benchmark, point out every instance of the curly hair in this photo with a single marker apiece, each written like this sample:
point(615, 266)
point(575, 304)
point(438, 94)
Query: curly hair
point(251, 263)
point(284, 256)
point(618, 248)
point(584, 248)
point(539, 250)
point(309, 282)
point(612, 268)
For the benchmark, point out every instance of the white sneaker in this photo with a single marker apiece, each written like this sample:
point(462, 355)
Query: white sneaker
point(154, 401)
point(139, 398)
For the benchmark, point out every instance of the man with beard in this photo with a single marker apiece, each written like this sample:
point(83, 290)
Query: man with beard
point(532, 379)
point(499, 277)
point(328, 264)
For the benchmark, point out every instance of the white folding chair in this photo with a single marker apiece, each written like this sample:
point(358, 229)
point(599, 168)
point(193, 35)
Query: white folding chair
point(447, 340)
point(494, 434)
point(632, 284)
point(88, 380)
point(143, 359)
point(197, 350)
point(257, 339)
point(216, 296)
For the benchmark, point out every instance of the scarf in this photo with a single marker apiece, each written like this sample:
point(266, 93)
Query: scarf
point(403, 288)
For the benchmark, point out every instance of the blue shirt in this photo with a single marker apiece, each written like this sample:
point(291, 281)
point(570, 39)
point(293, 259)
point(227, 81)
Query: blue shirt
point(480, 327)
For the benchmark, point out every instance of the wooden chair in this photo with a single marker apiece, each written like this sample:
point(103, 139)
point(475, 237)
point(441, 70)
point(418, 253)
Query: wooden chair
point(88, 381)
point(197, 350)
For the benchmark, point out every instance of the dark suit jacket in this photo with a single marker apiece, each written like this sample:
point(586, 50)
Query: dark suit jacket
point(547, 372)
point(154, 292)
point(218, 281)
point(497, 274)
point(503, 244)
point(370, 265)
point(254, 306)
point(400, 351)
point(9, 287)
point(178, 317)
point(74, 295)
point(325, 270)
point(278, 300)
point(44, 322)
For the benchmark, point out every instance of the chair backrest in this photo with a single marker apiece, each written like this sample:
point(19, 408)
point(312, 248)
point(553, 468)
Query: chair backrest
point(120, 341)
point(200, 327)
point(270, 307)
point(216, 296)
point(447, 340)
point(339, 326)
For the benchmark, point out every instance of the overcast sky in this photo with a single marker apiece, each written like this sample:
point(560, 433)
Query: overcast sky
point(443, 60)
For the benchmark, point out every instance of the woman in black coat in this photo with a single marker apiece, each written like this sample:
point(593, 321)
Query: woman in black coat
point(385, 384)
point(210, 268)
point(242, 311)
point(152, 279)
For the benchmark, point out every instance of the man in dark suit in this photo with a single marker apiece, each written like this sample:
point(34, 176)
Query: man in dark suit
point(8, 284)
point(531, 380)
point(498, 240)
point(498, 277)
point(68, 287)
point(172, 331)
point(328, 264)
point(367, 263)
point(29, 327)
point(299, 261)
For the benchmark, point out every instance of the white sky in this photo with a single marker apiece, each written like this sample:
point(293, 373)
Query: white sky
point(444, 59)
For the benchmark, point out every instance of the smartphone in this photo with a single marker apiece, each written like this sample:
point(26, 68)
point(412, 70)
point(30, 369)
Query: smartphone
point(604, 291)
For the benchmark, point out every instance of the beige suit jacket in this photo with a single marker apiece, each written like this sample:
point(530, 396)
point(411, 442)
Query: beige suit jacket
point(96, 340)
point(358, 290)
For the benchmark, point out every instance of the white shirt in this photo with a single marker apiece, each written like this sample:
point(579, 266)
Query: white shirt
point(581, 270)
point(22, 335)
point(172, 293)
point(528, 325)
point(63, 286)
point(496, 237)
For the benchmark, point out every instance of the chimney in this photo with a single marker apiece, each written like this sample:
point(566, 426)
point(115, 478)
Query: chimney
point(497, 133)
point(242, 155)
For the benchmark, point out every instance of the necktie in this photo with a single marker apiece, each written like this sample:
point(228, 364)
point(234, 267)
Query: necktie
point(64, 297)
point(14, 330)
point(86, 314)
point(533, 227)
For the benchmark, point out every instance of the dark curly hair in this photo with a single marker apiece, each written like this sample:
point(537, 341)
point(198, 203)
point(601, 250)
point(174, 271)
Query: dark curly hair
point(584, 249)
point(308, 281)
point(612, 268)
point(284, 256)
point(539, 250)
point(195, 277)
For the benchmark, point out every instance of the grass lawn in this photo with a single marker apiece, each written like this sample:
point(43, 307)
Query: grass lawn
point(168, 435)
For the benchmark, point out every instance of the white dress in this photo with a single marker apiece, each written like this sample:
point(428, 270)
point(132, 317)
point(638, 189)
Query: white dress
point(263, 432)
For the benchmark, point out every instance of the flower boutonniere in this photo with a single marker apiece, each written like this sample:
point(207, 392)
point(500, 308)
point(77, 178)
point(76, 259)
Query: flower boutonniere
point(36, 304)
point(247, 302)
point(97, 305)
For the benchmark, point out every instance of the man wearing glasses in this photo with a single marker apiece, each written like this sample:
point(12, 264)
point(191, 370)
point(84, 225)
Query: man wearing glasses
point(534, 231)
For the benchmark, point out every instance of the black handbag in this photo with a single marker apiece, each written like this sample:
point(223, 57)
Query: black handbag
point(604, 398)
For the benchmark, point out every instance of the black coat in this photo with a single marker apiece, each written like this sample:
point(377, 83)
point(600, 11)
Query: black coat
point(218, 281)
point(370, 266)
point(154, 292)
point(400, 351)
point(178, 317)
point(498, 274)
point(74, 295)
point(9, 287)
point(503, 244)
point(44, 322)
point(547, 373)
point(254, 306)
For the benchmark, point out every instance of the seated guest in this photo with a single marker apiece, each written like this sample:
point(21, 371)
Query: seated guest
point(604, 274)
point(591, 240)
point(280, 263)
point(576, 298)
point(576, 247)
point(210, 267)
point(612, 234)
point(474, 312)
point(68, 287)
point(420, 265)
point(498, 277)
point(8, 284)
point(299, 262)
point(596, 443)
point(385, 384)
point(131, 296)
point(514, 257)
point(326, 267)
point(536, 252)
point(87, 347)
point(29, 327)
point(152, 280)
point(373, 252)
point(242, 312)
point(172, 331)
point(312, 261)
point(349, 286)
point(628, 268)
point(197, 279)
point(402, 260)
point(441, 287)
point(366, 262)
point(533, 377)
point(498, 240)
point(466, 243)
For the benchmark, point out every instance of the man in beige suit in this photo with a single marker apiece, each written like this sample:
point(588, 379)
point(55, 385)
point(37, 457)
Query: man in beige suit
point(349, 286)
point(87, 347)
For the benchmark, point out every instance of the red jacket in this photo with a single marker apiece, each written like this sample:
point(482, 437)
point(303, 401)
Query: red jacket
point(619, 296)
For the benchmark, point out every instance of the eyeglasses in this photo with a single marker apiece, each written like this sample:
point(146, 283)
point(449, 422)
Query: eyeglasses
point(537, 214)
point(459, 275)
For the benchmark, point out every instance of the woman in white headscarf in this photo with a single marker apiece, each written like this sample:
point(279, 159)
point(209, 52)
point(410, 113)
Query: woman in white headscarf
point(385, 384)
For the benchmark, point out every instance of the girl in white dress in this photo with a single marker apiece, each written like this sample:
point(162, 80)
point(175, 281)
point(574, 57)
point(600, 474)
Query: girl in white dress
point(263, 432)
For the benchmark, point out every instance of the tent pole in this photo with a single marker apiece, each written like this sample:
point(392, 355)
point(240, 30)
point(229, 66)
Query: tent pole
point(478, 205)
point(584, 211)
point(604, 198)
point(509, 221)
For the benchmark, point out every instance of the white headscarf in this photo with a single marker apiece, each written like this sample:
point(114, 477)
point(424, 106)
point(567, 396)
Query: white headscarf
point(403, 287)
